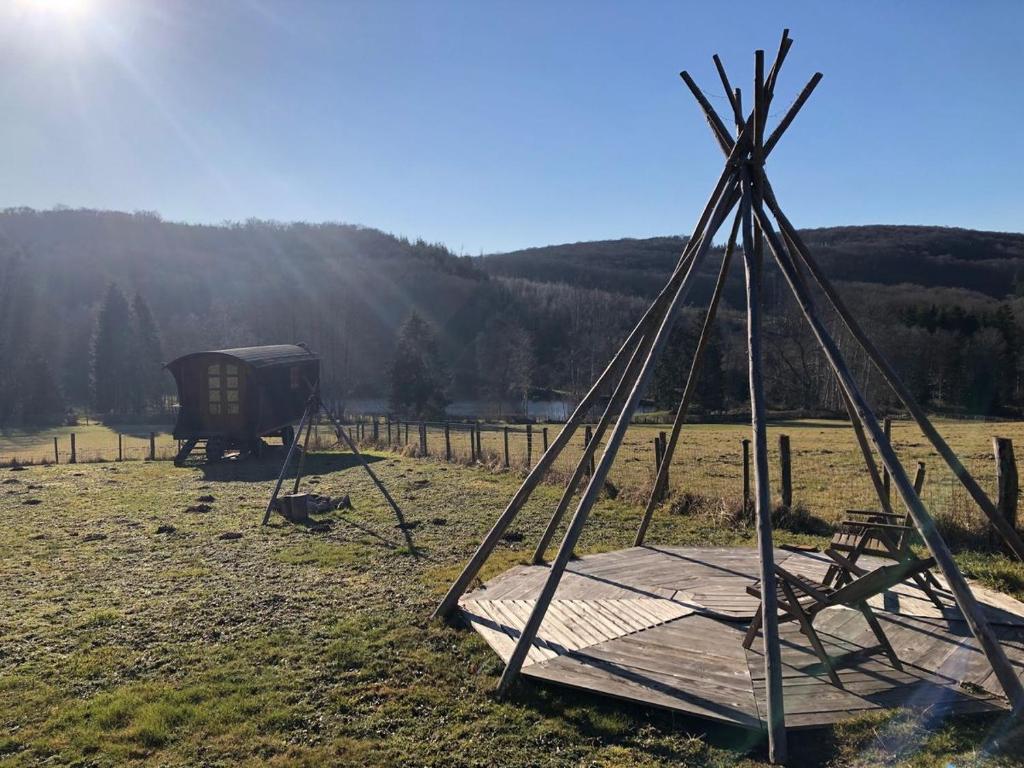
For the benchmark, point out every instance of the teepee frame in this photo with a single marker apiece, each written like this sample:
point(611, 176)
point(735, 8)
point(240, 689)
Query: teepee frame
point(743, 183)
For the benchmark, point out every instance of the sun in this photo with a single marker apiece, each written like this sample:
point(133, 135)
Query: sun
point(67, 9)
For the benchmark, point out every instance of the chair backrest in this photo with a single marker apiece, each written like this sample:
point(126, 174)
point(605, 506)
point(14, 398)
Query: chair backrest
point(879, 580)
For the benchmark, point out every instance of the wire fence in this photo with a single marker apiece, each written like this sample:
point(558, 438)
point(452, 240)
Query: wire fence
point(827, 470)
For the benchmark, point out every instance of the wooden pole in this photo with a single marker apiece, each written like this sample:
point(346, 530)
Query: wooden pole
point(306, 415)
point(152, 446)
point(886, 482)
point(472, 445)
point(389, 429)
point(302, 458)
point(746, 475)
point(1006, 480)
point(479, 444)
point(376, 429)
point(74, 451)
point(505, 439)
point(544, 438)
point(785, 472)
point(423, 439)
point(724, 191)
point(800, 251)
point(56, 453)
point(600, 474)
point(965, 599)
point(865, 450)
point(588, 438)
point(529, 445)
point(752, 267)
point(447, 442)
point(657, 455)
point(120, 447)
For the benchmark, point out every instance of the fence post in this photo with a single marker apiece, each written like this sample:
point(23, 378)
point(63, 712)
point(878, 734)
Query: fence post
point(529, 446)
point(152, 446)
point(588, 435)
point(120, 447)
point(505, 437)
point(423, 438)
point(407, 433)
point(663, 438)
point(479, 445)
point(657, 455)
point(74, 451)
point(56, 455)
point(1006, 482)
point(785, 472)
point(886, 481)
point(746, 475)
point(376, 429)
point(447, 442)
point(544, 438)
point(388, 417)
point(472, 443)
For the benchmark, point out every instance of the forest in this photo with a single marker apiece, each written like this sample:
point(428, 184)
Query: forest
point(91, 302)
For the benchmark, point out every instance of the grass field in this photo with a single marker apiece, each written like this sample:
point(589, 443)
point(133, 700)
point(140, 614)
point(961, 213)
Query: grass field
point(135, 631)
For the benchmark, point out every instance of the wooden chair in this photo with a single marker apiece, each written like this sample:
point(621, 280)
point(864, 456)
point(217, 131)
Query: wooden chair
point(801, 600)
point(881, 534)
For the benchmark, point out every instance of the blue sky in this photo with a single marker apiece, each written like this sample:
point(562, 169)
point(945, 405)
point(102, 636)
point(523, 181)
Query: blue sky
point(491, 126)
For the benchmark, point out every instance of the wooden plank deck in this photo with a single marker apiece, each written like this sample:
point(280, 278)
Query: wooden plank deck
point(663, 626)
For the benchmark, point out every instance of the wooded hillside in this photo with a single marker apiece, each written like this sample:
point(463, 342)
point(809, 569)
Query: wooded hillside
point(941, 302)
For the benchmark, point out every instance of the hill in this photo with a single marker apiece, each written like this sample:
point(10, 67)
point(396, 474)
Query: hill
point(989, 263)
point(941, 302)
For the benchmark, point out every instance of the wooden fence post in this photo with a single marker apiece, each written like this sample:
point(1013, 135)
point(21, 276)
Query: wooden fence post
point(423, 439)
point(479, 444)
point(388, 417)
point(657, 455)
point(746, 475)
point(544, 438)
point(406, 433)
point(588, 435)
point(120, 447)
point(376, 429)
point(505, 436)
point(663, 438)
point(1006, 483)
point(447, 442)
point(886, 480)
point(152, 446)
point(472, 443)
point(74, 451)
point(56, 454)
point(529, 446)
point(785, 472)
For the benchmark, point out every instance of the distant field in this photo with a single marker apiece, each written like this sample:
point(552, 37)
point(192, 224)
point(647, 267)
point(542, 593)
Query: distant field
point(828, 472)
point(136, 631)
point(93, 442)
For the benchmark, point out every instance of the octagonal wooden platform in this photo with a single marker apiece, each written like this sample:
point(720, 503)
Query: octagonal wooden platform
point(663, 626)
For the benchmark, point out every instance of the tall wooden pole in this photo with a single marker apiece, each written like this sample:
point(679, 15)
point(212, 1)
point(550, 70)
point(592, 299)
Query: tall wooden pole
point(753, 263)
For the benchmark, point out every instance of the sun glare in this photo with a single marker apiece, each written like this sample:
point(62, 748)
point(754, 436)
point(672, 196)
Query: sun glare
point(67, 9)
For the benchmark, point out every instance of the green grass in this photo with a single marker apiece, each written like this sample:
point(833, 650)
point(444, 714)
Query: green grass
point(289, 646)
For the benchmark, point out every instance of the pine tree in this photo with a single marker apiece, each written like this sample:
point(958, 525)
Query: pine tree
point(39, 395)
point(148, 357)
point(417, 374)
point(112, 363)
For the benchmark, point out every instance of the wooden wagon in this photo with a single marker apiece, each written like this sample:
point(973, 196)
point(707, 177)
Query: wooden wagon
point(233, 398)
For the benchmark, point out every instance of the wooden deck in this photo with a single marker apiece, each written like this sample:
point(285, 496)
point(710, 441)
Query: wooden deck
point(663, 626)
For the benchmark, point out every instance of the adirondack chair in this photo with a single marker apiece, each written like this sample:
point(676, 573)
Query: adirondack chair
point(801, 599)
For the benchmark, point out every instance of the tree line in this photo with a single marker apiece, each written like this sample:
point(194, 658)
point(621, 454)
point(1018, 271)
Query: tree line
point(410, 321)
